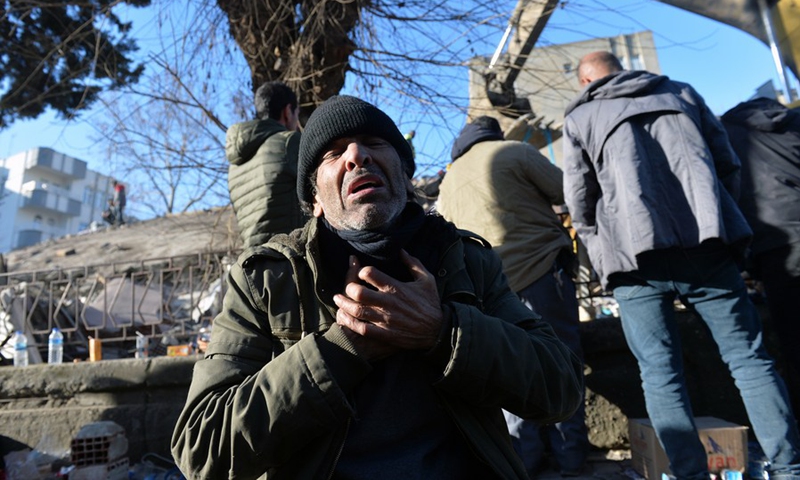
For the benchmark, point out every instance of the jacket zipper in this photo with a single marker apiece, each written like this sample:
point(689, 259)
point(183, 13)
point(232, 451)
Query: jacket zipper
point(339, 452)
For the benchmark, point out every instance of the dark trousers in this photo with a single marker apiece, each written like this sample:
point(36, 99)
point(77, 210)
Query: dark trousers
point(779, 270)
point(553, 297)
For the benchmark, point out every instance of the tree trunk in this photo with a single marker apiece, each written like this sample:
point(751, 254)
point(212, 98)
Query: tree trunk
point(304, 43)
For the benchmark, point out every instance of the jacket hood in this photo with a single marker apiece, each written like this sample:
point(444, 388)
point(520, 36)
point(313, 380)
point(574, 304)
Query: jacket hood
point(469, 136)
point(627, 83)
point(244, 139)
point(761, 113)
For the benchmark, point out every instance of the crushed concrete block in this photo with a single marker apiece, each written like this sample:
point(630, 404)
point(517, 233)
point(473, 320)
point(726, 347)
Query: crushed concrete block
point(128, 304)
point(98, 443)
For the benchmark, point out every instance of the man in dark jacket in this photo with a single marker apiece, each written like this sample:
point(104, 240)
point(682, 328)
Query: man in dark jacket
point(650, 180)
point(263, 166)
point(505, 191)
point(376, 342)
point(766, 136)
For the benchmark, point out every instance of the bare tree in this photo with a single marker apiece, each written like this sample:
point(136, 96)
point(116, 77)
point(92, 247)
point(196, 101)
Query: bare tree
point(166, 134)
point(168, 155)
point(197, 82)
point(412, 57)
point(412, 54)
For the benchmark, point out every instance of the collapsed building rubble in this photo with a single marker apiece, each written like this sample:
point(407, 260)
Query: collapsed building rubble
point(167, 300)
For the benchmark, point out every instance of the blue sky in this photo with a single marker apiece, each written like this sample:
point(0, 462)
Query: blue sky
point(725, 65)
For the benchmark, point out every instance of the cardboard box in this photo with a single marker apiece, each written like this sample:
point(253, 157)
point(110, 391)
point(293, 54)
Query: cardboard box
point(179, 350)
point(725, 442)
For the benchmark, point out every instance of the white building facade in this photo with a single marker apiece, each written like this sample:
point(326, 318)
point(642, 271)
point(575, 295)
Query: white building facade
point(45, 194)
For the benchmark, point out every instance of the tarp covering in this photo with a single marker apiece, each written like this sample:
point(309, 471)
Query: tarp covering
point(745, 15)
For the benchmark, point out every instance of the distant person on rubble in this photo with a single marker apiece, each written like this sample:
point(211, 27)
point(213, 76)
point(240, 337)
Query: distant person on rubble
point(377, 342)
point(650, 180)
point(119, 202)
point(108, 213)
point(506, 191)
point(766, 137)
point(263, 166)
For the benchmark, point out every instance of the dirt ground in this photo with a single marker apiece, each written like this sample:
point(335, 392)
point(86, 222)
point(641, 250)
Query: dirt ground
point(173, 235)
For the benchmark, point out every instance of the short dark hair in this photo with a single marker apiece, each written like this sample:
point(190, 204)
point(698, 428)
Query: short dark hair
point(271, 98)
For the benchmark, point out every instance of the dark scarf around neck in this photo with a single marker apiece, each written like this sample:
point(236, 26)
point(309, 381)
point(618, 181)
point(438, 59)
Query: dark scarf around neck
point(381, 248)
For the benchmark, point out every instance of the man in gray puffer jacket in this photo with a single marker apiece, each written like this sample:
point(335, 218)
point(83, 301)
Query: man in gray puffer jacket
point(263, 166)
point(650, 180)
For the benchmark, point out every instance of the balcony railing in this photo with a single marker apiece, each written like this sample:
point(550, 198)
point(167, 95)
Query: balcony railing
point(42, 196)
point(57, 163)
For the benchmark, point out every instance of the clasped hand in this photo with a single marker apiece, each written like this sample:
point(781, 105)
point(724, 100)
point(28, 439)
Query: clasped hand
point(395, 315)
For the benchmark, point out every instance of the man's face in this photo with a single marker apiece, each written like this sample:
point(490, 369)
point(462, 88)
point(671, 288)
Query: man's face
point(293, 118)
point(360, 183)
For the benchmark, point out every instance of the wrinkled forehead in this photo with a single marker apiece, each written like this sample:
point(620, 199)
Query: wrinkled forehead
point(365, 139)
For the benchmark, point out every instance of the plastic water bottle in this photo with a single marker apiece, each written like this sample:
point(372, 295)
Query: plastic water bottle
point(142, 345)
point(55, 347)
point(20, 350)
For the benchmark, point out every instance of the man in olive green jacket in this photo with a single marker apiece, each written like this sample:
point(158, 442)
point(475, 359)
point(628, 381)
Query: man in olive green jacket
point(376, 342)
point(262, 175)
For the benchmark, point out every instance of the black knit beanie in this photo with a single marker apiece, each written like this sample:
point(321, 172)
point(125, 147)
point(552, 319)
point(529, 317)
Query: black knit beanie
point(341, 116)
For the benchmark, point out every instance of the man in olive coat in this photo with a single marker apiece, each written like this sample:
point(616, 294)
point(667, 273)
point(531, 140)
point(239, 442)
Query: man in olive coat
point(375, 342)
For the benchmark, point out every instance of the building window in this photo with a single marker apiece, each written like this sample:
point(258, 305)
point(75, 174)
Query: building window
point(51, 222)
point(37, 219)
point(3, 180)
point(637, 63)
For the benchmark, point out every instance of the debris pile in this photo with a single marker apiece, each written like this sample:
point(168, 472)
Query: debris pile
point(99, 451)
point(166, 300)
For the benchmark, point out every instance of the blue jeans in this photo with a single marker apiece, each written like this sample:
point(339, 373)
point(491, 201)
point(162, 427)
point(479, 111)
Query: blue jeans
point(553, 297)
point(707, 280)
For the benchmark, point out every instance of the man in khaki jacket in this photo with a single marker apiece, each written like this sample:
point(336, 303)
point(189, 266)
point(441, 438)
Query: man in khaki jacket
point(505, 191)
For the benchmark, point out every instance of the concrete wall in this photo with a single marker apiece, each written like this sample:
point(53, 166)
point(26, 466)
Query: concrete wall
point(146, 396)
point(53, 402)
point(613, 385)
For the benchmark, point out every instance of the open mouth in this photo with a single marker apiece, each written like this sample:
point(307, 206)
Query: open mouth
point(364, 183)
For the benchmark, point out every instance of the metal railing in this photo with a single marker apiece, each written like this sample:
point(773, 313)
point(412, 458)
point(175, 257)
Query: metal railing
point(116, 302)
point(156, 298)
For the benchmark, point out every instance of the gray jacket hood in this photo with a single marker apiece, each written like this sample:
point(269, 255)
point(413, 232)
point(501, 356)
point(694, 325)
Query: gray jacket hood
point(621, 84)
